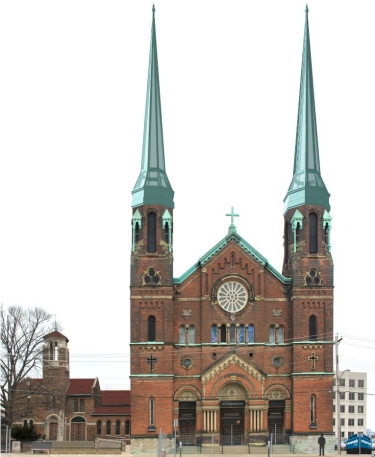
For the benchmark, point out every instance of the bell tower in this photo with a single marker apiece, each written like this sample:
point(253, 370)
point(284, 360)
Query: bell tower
point(308, 262)
point(56, 367)
point(151, 282)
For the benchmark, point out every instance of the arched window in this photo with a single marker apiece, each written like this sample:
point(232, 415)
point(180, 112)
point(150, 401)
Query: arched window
point(56, 353)
point(232, 333)
point(280, 334)
point(117, 427)
point(312, 409)
point(136, 232)
point(286, 242)
point(241, 333)
point(214, 334)
point(152, 411)
point(312, 328)
point(166, 233)
point(191, 334)
point(108, 427)
point(271, 338)
point(223, 333)
point(250, 333)
point(313, 228)
point(151, 335)
point(99, 428)
point(151, 232)
point(127, 428)
point(182, 337)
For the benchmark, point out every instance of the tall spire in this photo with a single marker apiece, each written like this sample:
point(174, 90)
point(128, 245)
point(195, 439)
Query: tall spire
point(307, 186)
point(152, 186)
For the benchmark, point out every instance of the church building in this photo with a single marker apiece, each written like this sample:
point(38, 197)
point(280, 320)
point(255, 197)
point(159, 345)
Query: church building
point(233, 350)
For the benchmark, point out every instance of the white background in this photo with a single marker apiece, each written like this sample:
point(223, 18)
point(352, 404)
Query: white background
point(73, 81)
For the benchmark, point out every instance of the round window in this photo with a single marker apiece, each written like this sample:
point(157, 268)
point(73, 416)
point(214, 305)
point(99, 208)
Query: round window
point(232, 296)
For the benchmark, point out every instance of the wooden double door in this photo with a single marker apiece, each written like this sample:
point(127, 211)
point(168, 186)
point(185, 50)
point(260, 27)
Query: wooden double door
point(78, 432)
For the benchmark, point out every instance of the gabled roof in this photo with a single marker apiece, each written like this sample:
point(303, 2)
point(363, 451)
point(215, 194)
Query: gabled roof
point(233, 236)
point(56, 334)
point(81, 386)
point(114, 402)
point(116, 397)
point(111, 411)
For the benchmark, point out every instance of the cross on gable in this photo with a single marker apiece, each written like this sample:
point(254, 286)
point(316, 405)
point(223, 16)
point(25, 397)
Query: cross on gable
point(151, 360)
point(232, 216)
point(312, 359)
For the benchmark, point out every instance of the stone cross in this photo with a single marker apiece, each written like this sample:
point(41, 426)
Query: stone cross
point(232, 216)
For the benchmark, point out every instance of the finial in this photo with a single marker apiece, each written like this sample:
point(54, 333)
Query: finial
point(306, 9)
point(153, 8)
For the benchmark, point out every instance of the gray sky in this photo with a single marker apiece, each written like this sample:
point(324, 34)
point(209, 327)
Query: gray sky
point(72, 96)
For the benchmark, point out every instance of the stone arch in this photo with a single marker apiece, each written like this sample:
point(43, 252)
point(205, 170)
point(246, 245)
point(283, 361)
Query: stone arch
point(242, 381)
point(78, 429)
point(51, 427)
point(187, 393)
point(233, 390)
point(277, 392)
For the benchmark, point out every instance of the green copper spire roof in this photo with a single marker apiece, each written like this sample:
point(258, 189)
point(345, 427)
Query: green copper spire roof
point(152, 186)
point(307, 186)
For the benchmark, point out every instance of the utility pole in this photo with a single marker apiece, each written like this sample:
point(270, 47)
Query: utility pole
point(338, 418)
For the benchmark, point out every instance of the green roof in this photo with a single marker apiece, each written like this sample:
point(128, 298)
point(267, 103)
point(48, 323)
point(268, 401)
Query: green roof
point(152, 186)
point(233, 236)
point(307, 186)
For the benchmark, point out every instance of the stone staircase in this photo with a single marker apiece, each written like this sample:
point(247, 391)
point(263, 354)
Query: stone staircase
point(235, 450)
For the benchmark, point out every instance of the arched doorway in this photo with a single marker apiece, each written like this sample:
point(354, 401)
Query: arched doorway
point(187, 416)
point(78, 429)
point(52, 428)
point(276, 415)
point(232, 412)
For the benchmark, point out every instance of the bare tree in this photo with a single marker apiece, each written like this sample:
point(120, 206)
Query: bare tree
point(22, 332)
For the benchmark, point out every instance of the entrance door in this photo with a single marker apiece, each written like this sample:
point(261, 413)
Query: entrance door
point(187, 428)
point(78, 432)
point(53, 431)
point(276, 429)
point(231, 432)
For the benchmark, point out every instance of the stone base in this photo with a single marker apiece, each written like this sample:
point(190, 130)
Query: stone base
point(143, 445)
point(308, 443)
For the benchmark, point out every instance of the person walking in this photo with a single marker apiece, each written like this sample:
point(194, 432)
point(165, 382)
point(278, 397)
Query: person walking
point(322, 442)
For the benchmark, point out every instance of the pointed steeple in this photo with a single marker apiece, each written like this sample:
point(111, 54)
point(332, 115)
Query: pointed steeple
point(152, 186)
point(307, 186)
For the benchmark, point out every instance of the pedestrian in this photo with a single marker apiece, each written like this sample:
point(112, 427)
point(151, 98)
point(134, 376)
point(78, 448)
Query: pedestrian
point(322, 442)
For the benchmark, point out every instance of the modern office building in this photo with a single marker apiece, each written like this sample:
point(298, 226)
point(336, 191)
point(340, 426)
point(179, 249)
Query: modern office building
point(352, 389)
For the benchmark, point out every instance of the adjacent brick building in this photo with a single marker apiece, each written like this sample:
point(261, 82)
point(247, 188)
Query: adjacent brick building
point(65, 409)
point(233, 350)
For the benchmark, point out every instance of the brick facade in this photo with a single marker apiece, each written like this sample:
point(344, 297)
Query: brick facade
point(66, 409)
